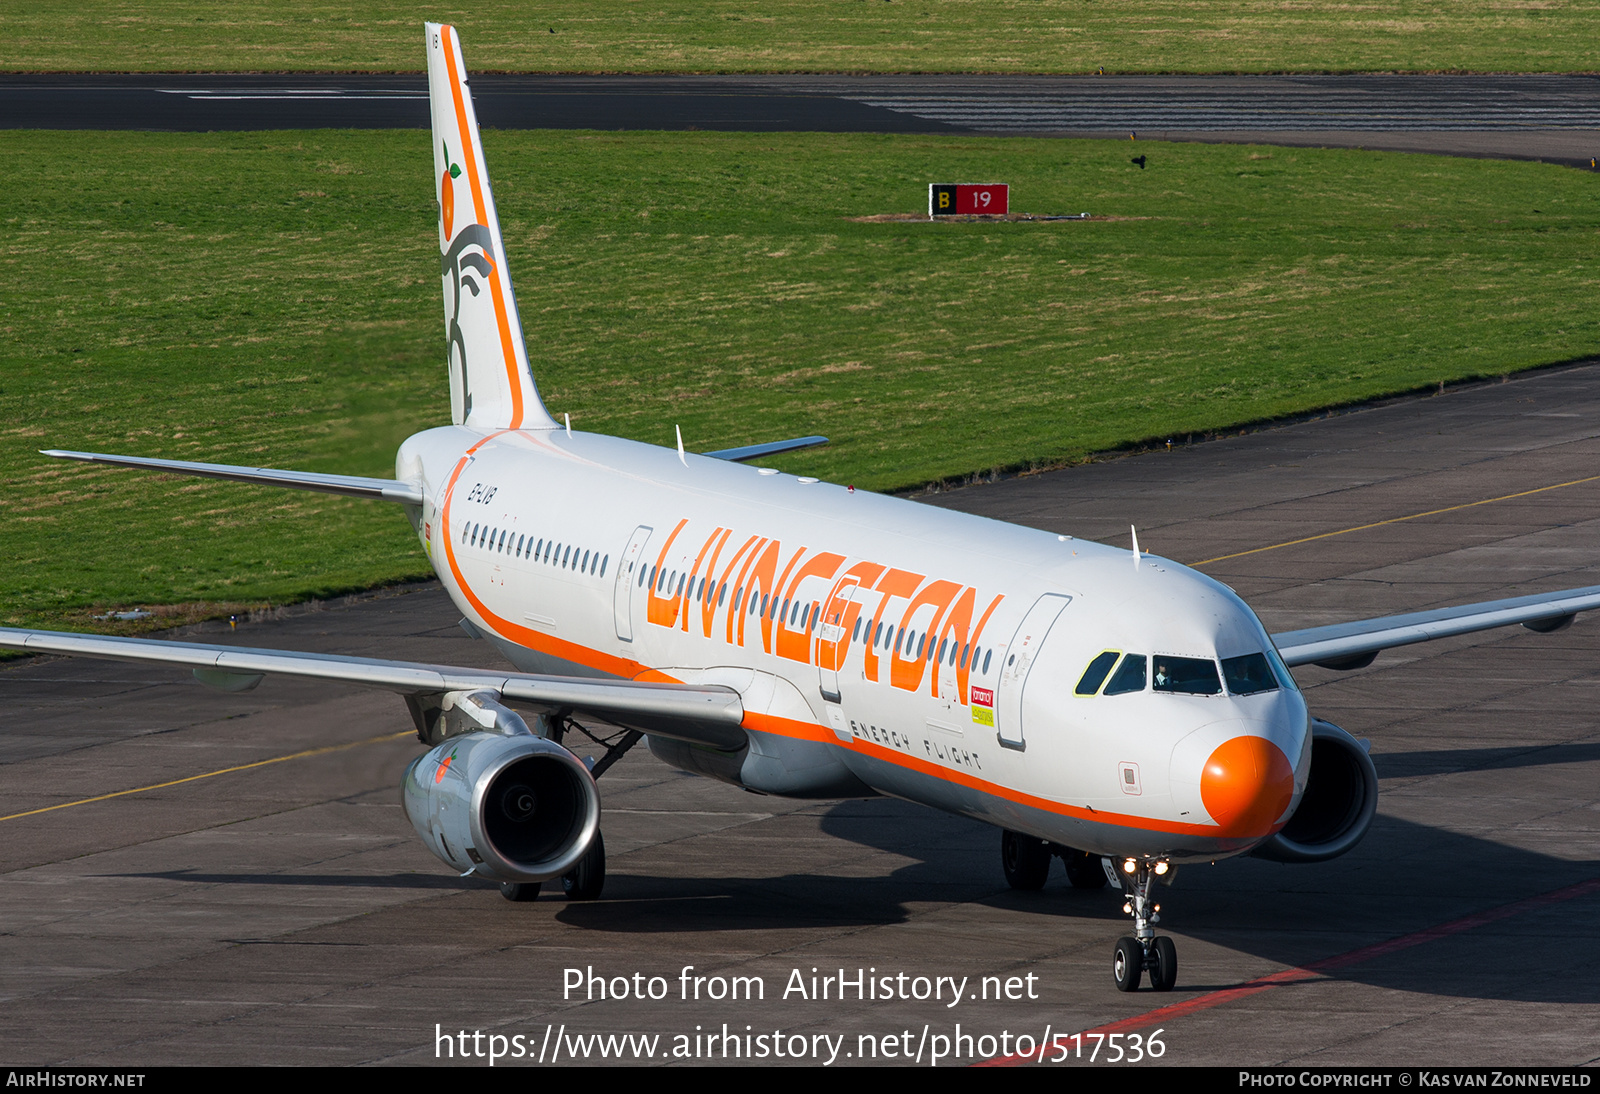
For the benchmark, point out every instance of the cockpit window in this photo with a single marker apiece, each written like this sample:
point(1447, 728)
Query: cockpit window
point(1281, 671)
point(1129, 676)
point(1186, 675)
point(1248, 674)
point(1095, 674)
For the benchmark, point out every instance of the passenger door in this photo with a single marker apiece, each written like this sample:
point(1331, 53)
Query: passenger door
point(833, 638)
point(1019, 657)
point(628, 581)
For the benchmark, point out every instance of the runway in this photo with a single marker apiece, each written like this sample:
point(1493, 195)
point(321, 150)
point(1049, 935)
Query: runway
point(1554, 118)
point(282, 912)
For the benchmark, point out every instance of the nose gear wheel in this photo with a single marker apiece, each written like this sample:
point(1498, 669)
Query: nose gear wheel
point(1144, 951)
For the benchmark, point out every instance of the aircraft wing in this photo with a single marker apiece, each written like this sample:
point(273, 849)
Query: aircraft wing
point(1353, 645)
point(706, 715)
point(356, 486)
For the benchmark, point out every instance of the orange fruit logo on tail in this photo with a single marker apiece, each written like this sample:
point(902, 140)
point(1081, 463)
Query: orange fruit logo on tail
point(447, 196)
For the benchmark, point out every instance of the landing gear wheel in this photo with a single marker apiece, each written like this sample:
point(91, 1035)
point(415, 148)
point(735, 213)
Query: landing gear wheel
point(586, 879)
point(1163, 964)
point(1127, 965)
point(1025, 859)
point(1083, 870)
point(520, 891)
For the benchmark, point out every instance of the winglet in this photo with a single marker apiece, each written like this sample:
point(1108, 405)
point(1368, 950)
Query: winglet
point(491, 385)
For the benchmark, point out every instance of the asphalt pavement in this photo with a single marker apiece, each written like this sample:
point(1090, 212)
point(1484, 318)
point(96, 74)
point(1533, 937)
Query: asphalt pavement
point(1554, 118)
point(252, 893)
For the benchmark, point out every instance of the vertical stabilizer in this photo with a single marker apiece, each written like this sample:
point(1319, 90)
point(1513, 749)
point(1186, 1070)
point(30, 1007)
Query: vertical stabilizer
point(491, 386)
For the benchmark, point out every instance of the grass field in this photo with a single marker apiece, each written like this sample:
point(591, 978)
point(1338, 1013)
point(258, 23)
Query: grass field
point(273, 298)
point(812, 35)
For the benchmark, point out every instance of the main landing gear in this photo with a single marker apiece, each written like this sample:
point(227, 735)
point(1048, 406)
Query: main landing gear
point(1026, 862)
point(1144, 951)
point(585, 880)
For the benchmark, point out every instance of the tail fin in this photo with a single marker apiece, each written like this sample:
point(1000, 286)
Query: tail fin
point(491, 386)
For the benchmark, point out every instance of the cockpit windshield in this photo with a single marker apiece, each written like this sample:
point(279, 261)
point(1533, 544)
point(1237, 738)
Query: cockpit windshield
point(1248, 674)
point(1186, 675)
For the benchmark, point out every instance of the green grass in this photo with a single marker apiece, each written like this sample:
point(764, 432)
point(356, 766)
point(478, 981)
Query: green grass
point(274, 298)
point(812, 35)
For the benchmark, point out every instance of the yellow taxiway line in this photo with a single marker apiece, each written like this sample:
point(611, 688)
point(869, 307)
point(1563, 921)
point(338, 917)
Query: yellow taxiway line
point(212, 774)
point(1392, 520)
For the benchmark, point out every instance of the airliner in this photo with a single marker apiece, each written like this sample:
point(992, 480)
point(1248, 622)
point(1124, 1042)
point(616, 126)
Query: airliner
point(1110, 708)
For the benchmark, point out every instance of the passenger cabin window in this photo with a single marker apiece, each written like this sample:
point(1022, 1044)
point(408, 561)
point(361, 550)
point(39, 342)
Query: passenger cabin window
point(1096, 673)
point(1186, 675)
point(1249, 674)
point(1129, 676)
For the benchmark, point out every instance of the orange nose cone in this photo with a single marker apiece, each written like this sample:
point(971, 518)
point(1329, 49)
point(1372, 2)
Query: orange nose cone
point(1246, 785)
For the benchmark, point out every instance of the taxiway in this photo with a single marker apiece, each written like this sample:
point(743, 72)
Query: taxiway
point(265, 902)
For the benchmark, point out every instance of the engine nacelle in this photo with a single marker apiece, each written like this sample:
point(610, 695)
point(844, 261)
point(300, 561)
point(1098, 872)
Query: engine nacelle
point(1338, 805)
point(512, 808)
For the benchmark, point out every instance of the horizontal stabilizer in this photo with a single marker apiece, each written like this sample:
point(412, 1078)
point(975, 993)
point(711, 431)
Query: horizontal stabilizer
point(706, 715)
point(356, 486)
point(1349, 642)
point(755, 451)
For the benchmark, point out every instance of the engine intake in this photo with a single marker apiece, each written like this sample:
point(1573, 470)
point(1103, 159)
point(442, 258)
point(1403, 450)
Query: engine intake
point(1340, 800)
point(517, 808)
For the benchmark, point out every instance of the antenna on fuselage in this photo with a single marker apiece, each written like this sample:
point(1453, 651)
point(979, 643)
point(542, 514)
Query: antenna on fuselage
point(1135, 533)
point(681, 458)
point(568, 417)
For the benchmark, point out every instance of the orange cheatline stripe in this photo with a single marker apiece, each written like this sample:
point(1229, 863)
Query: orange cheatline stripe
point(212, 774)
point(1395, 520)
point(468, 153)
point(811, 731)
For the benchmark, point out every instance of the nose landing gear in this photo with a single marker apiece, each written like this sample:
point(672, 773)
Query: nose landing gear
point(1144, 951)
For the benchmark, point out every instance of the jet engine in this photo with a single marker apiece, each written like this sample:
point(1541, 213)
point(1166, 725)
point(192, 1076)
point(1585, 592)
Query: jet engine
point(512, 808)
point(1338, 805)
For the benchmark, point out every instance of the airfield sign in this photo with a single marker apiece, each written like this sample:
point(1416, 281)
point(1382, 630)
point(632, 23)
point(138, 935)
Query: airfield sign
point(948, 199)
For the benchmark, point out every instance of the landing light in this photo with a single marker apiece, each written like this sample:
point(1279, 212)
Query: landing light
point(1129, 866)
point(1162, 868)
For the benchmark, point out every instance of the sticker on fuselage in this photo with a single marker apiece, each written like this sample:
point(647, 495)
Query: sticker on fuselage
point(982, 706)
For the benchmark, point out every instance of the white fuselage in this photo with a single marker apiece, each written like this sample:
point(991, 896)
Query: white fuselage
point(878, 645)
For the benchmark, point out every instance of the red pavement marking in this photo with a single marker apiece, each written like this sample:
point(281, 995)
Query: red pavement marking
point(1316, 968)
